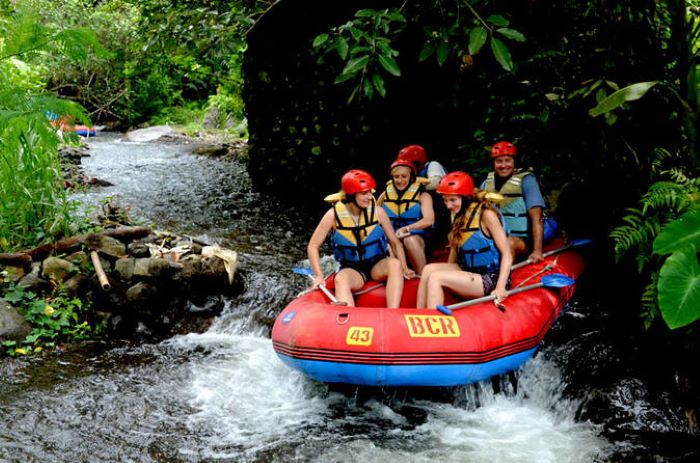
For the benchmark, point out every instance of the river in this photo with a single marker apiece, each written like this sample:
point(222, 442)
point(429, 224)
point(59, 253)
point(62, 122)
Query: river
point(223, 396)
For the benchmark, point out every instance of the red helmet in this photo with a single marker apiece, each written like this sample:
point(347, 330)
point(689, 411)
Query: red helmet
point(503, 148)
point(403, 163)
point(456, 183)
point(415, 154)
point(357, 181)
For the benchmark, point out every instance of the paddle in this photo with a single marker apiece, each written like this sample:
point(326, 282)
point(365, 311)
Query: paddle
point(310, 273)
point(555, 280)
point(569, 245)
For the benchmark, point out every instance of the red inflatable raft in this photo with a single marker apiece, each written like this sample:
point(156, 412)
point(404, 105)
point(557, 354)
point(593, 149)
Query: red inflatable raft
point(375, 346)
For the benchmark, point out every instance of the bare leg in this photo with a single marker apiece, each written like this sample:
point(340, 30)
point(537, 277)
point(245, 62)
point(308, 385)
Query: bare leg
point(347, 280)
point(518, 247)
point(422, 297)
point(390, 269)
point(465, 284)
point(415, 249)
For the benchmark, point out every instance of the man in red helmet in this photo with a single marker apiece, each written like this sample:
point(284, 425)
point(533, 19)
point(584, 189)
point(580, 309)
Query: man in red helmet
point(432, 170)
point(523, 206)
point(360, 232)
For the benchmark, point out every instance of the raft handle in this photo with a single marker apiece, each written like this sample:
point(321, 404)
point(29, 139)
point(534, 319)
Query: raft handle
point(342, 318)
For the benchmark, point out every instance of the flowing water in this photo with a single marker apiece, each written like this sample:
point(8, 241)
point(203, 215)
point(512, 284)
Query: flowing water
point(223, 396)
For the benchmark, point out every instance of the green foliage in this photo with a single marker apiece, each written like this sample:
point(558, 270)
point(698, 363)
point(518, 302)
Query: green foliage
point(33, 203)
point(165, 54)
point(668, 222)
point(620, 97)
point(365, 45)
point(54, 319)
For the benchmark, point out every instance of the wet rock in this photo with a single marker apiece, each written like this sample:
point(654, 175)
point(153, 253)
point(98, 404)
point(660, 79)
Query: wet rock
point(152, 267)
point(73, 153)
point(13, 326)
point(14, 273)
point(149, 134)
point(125, 267)
point(140, 292)
point(57, 269)
point(212, 118)
point(80, 259)
point(106, 245)
point(75, 284)
point(211, 150)
point(32, 281)
point(138, 249)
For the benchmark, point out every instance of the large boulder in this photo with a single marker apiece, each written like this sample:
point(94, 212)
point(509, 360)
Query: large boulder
point(149, 134)
point(13, 326)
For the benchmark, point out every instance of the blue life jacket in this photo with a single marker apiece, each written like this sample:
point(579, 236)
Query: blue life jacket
point(353, 243)
point(477, 252)
point(513, 207)
point(404, 210)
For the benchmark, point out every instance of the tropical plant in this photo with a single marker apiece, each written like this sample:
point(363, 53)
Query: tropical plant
point(54, 318)
point(33, 203)
point(665, 234)
point(365, 44)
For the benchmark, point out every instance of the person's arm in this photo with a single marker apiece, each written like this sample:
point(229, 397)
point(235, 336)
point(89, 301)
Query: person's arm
point(313, 249)
point(395, 243)
point(494, 228)
point(537, 228)
point(452, 258)
point(428, 219)
point(535, 206)
point(434, 173)
point(380, 200)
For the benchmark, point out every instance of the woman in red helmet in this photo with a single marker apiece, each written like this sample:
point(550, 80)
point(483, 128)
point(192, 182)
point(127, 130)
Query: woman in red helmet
point(360, 234)
point(410, 210)
point(480, 258)
point(432, 170)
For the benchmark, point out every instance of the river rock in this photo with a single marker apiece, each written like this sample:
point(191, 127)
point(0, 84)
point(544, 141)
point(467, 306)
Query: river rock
point(14, 272)
point(125, 267)
point(140, 291)
point(74, 284)
point(13, 326)
point(151, 267)
point(32, 281)
point(57, 269)
point(80, 259)
point(212, 118)
point(138, 249)
point(106, 245)
point(211, 150)
point(149, 134)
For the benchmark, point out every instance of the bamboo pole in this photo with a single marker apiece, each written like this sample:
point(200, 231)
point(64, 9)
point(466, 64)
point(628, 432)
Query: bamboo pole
point(99, 271)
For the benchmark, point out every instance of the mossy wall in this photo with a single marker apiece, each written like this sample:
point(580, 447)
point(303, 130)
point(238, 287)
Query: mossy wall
point(303, 133)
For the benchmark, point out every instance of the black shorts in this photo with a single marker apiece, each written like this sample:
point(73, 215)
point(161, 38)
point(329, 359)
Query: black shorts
point(364, 268)
point(489, 280)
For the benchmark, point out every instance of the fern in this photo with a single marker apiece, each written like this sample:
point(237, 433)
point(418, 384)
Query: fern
point(650, 308)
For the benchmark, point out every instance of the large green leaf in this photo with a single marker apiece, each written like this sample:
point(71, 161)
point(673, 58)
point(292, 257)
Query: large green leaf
point(679, 288)
point(620, 97)
point(511, 34)
point(502, 54)
point(341, 46)
point(679, 233)
point(390, 64)
point(356, 64)
point(477, 39)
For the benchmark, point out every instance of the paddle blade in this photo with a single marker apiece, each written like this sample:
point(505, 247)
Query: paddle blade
point(557, 280)
point(580, 242)
point(444, 309)
point(307, 272)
